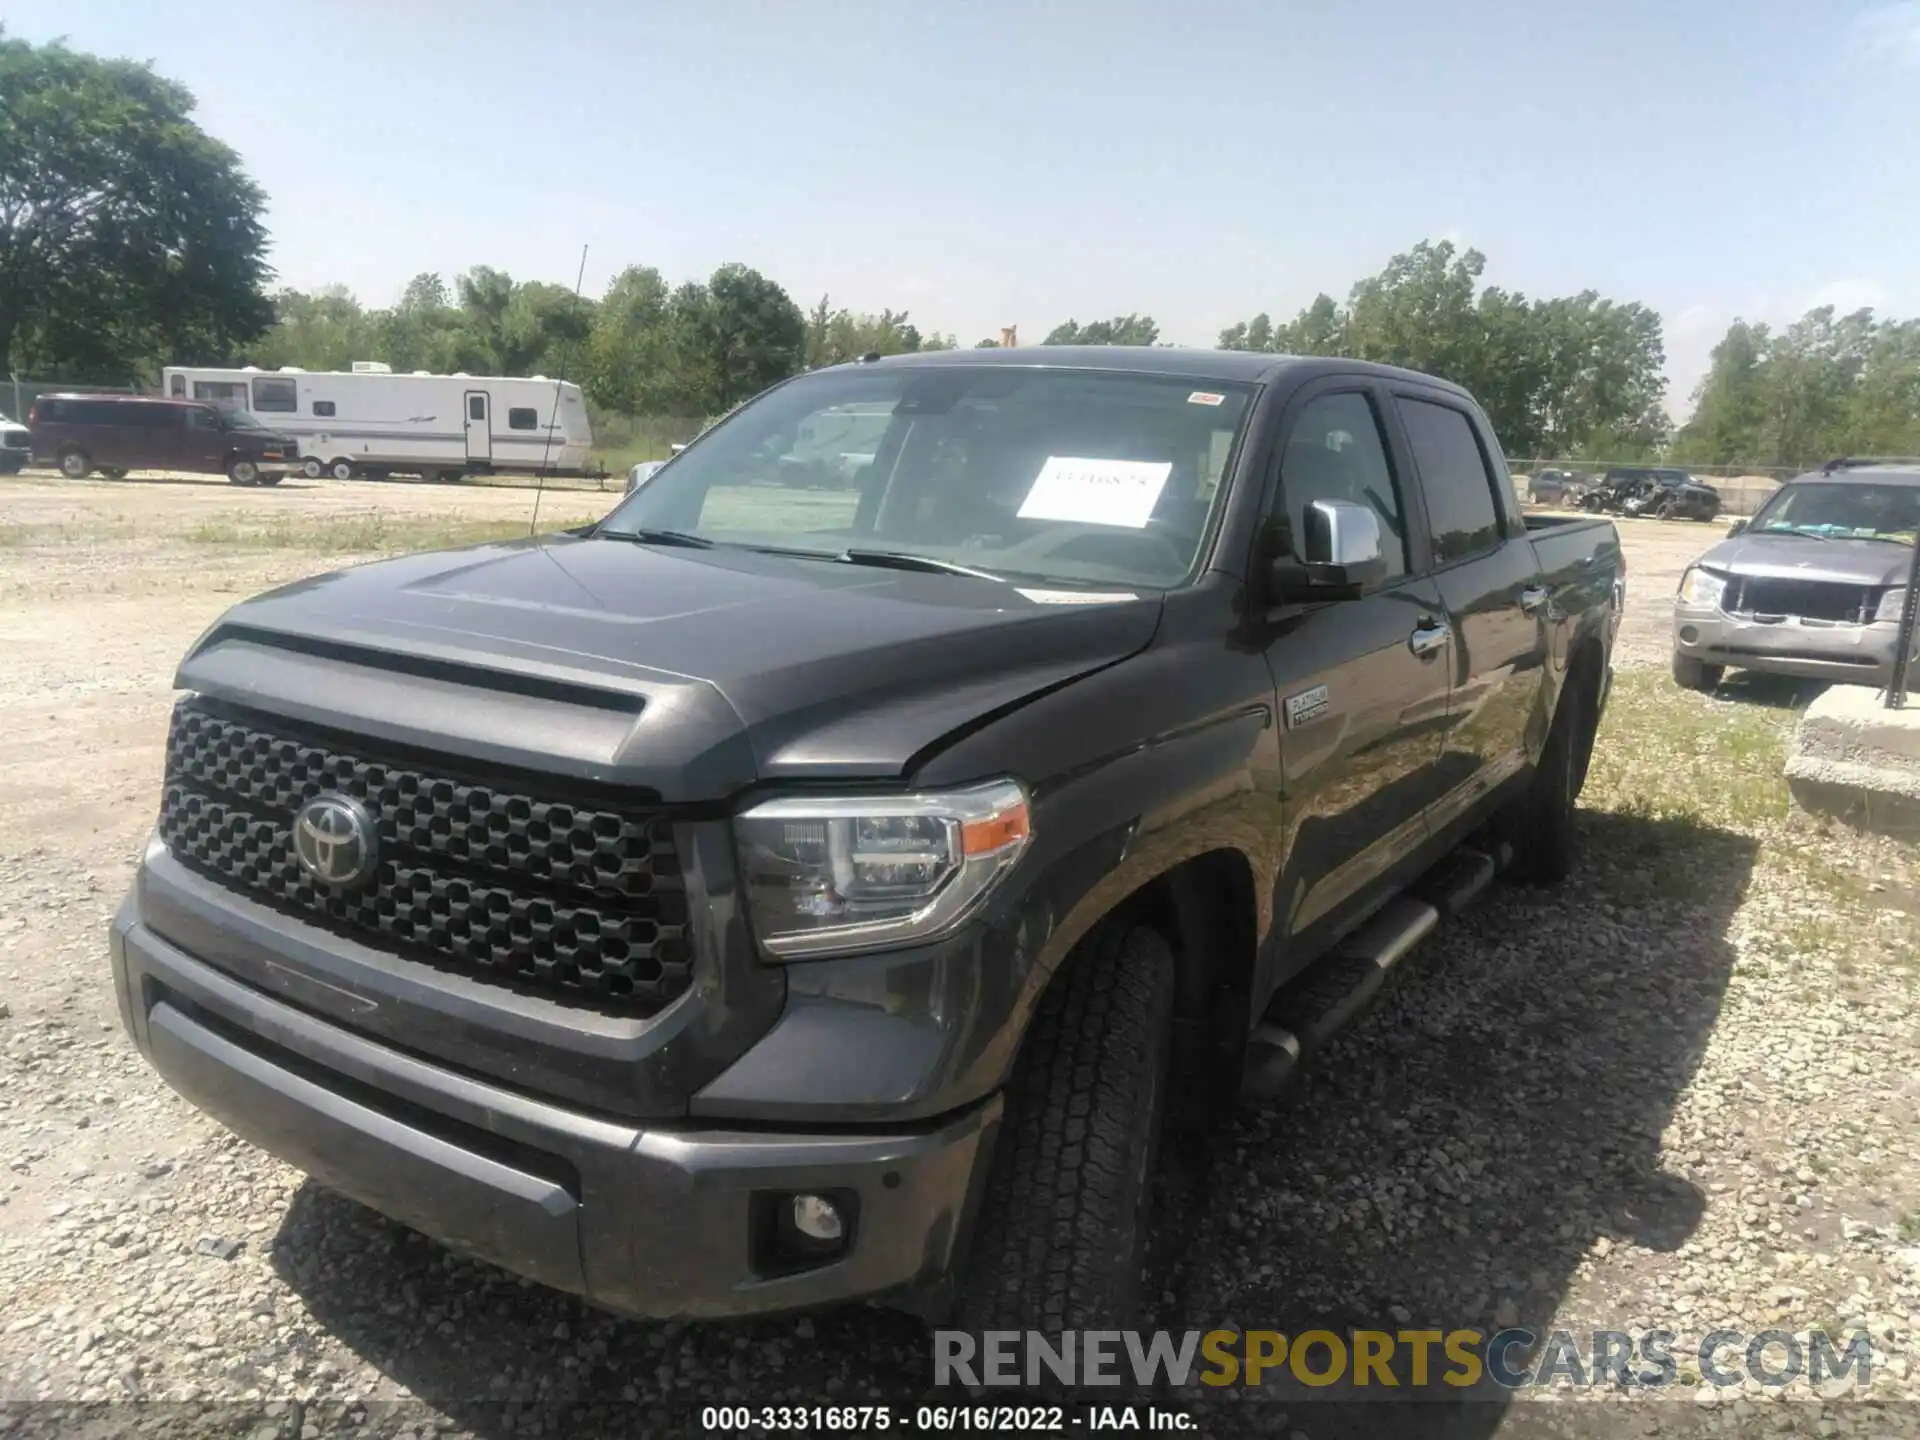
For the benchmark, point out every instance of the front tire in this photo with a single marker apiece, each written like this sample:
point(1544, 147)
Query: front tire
point(75, 464)
point(243, 472)
point(1697, 675)
point(1061, 1237)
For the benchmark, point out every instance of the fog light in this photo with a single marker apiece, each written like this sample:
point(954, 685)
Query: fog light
point(1689, 634)
point(817, 1218)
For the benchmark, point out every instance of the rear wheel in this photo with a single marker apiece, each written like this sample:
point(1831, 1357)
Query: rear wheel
point(1691, 674)
point(1061, 1238)
point(74, 463)
point(113, 472)
point(272, 478)
point(341, 469)
point(312, 467)
point(1543, 838)
point(1668, 509)
point(244, 472)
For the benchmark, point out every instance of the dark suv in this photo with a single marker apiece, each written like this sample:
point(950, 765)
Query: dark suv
point(115, 434)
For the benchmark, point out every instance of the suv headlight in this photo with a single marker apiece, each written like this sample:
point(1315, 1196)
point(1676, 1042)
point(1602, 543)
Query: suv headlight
point(830, 875)
point(1891, 604)
point(1701, 587)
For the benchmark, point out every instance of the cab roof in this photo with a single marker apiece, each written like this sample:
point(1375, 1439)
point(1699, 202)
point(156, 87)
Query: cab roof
point(1241, 366)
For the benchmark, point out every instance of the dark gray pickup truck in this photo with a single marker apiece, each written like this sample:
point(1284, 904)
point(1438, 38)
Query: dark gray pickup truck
point(773, 896)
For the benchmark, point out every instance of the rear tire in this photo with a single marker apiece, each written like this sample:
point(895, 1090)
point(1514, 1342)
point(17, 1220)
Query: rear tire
point(312, 468)
point(272, 479)
point(74, 464)
point(1061, 1236)
point(341, 470)
point(1691, 674)
point(244, 472)
point(1543, 831)
point(113, 472)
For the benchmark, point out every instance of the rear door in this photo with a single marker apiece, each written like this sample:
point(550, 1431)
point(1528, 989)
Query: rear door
point(1489, 582)
point(1361, 684)
point(479, 426)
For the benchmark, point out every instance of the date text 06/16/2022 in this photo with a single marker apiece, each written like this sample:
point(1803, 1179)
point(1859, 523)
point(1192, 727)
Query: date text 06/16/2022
point(942, 1419)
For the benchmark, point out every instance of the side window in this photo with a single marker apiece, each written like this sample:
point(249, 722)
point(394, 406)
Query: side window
point(1454, 478)
point(476, 407)
point(1335, 452)
point(276, 396)
point(323, 408)
point(522, 417)
point(198, 419)
point(177, 386)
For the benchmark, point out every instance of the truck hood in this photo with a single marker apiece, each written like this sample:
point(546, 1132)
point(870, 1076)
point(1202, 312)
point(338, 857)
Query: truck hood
point(1803, 557)
point(689, 674)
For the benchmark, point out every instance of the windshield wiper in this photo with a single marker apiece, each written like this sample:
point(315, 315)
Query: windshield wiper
point(901, 560)
point(657, 537)
point(1793, 530)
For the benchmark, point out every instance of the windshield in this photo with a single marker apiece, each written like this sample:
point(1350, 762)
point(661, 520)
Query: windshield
point(1067, 475)
point(1844, 511)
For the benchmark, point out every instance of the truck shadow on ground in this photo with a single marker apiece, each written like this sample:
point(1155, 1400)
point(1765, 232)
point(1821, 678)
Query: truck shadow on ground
point(1448, 1163)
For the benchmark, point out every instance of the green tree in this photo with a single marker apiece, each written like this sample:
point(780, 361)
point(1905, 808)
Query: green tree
point(1121, 330)
point(326, 329)
point(728, 340)
point(129, 237)
point(627, 348)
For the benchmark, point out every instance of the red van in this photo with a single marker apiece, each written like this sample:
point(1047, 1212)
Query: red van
point(116, 434)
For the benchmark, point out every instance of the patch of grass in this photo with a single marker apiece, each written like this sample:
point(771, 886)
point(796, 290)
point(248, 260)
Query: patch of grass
point(372, 533)
point(20, 535)
point(1910, 1227)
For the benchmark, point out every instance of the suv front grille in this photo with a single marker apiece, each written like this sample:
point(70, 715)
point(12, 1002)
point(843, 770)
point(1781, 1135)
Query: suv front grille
point(1808, 599)
point(486, 879)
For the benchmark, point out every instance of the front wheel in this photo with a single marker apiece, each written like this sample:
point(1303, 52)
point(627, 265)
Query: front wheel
point(273, 478)
point(1691, 674)
point(75, 465)
point(1061, 1238)
point(244, 472)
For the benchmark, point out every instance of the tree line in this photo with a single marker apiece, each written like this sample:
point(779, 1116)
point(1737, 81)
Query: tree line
point(129, 239)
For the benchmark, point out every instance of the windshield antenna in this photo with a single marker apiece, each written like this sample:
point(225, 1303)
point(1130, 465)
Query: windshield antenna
point(546, 447)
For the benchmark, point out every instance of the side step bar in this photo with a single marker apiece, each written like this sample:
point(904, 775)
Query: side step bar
point(1310, 1011)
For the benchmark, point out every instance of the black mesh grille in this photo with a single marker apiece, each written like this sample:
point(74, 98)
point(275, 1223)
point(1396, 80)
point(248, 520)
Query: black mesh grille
point(483, 878)
point(1809, 599)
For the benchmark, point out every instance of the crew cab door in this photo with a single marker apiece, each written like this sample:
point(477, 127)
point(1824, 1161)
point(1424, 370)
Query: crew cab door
point(1496, 603)
point(203, 444)
point(1361, 683)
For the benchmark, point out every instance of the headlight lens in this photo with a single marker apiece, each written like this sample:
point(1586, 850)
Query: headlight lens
point(831, 875)
point(1701, 587)
point(1891, 604)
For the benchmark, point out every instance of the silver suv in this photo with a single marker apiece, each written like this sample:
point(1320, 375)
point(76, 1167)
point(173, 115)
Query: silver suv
point(1812, 586)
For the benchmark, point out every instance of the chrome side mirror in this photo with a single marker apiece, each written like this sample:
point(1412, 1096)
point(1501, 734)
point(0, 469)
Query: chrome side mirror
point(1340, 554)
point(1736, 528)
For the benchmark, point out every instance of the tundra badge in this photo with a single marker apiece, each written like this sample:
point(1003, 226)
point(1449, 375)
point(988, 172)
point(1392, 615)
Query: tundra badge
point(1307, 706)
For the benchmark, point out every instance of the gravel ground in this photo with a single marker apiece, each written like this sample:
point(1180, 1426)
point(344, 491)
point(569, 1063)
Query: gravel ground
point(1678, 1093)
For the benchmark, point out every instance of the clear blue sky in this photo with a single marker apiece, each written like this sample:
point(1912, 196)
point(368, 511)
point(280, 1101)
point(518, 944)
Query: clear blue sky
point(981, 163)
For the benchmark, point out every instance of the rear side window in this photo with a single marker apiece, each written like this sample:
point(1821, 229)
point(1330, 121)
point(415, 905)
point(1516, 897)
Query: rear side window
point(323, 408)
point(221, 392)
point(1335, 452)
point(276, 396)
point(1461, 509)
point(150, 417)
point(522, 417)
point(177, 386)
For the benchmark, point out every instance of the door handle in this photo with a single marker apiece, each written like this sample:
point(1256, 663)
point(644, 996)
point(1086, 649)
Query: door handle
point(1532, 598)
point(1428, 638)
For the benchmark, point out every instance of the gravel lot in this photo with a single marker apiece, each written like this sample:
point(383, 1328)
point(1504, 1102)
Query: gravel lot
point(1679, 1093)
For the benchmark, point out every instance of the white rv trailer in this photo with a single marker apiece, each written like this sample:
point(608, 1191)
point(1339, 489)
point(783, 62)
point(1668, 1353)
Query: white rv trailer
point(370, 421)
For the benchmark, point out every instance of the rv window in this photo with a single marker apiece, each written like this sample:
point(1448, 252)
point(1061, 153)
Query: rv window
point(323, 408)
point(476, 407)
point(221, 392)
point(523, 417)
point(275, 395)
point(177, 385)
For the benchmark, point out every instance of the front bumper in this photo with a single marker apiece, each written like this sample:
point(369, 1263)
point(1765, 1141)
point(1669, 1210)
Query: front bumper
point(1808, 649)
point(648, 1219)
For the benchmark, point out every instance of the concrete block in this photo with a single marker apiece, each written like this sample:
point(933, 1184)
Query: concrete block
point(1859, 762)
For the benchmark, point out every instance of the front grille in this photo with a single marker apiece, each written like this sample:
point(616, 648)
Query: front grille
point(15, 440)
point(486, 879)
point(1808, 599)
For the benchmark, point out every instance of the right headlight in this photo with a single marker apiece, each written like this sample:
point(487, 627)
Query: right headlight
point(839, 874)
point(1891, 604)
point(1701, 587)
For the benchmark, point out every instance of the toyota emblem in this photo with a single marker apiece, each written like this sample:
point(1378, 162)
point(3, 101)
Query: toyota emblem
point(333, 839)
